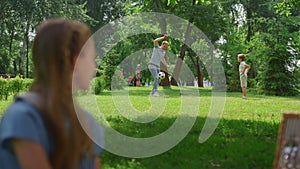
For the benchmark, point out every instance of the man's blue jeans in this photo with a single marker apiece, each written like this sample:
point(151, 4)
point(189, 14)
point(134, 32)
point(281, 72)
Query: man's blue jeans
point(154, 71)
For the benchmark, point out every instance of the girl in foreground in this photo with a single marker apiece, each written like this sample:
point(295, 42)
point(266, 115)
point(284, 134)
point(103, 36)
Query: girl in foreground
point(42, 130)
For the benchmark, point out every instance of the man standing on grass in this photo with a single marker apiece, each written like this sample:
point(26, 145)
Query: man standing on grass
point(158, 55)
point(243, 70)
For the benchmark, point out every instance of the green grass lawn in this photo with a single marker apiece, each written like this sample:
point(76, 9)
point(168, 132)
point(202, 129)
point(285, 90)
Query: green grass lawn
point(244, 139)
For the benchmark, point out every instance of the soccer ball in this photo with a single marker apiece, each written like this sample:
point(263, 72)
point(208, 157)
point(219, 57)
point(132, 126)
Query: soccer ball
point(161, 75)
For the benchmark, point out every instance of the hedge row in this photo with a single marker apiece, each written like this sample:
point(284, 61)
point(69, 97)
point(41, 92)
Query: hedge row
point(13, 86)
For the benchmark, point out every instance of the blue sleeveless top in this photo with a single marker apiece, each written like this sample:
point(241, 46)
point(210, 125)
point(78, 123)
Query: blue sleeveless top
point(22, 120)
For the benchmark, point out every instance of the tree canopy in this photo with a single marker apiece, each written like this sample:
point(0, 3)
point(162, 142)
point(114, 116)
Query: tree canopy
point(266, 30)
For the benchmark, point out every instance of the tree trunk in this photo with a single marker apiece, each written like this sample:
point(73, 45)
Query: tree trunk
point(198, 67)
point(7, 59)
point(27, 57)
point(176, 72)
point(23, 52)
point(199, 73)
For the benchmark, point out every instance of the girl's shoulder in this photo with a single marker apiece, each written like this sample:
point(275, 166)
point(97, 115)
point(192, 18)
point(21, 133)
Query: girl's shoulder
point(22, 120)
point(21, 108)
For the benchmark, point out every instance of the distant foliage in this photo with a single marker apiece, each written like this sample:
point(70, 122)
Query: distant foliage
point(13, 86)
point(267, 31)
point(98, 85)
point(276, 64)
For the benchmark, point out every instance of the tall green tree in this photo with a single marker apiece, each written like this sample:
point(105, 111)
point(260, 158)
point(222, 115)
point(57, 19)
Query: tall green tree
point(208, 16)
point(276, 63)
point(264, 35)
point(18, 22)
point(104, 11)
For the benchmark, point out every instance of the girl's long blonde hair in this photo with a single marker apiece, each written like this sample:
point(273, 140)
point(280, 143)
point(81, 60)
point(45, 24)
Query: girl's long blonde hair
point(57, 44)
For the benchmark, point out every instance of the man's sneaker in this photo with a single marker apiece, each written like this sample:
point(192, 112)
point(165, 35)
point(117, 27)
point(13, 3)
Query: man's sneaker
point(244, 97)
point(155, 94)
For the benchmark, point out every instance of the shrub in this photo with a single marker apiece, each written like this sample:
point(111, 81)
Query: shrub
point(4, 86)
point(98, 85)
point(13, 86)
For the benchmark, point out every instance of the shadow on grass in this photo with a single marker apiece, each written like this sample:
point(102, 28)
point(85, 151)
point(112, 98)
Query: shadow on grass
point(235, 144)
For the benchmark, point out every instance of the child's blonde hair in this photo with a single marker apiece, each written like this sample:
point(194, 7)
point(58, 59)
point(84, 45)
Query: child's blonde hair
point(242, 56)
